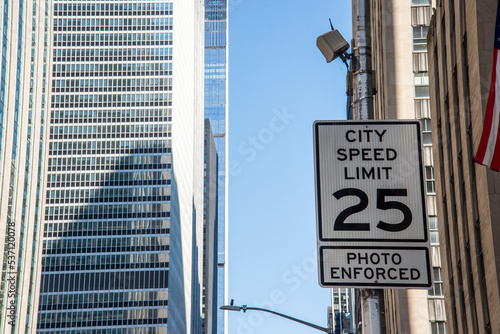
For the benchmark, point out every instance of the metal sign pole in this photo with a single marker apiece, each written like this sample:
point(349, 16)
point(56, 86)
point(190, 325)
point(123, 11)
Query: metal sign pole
point(370, 299)
point(362, 108)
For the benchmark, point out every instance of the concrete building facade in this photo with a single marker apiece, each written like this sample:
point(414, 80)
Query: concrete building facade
point(24, 88)
point(460, 43)
point(401, 91)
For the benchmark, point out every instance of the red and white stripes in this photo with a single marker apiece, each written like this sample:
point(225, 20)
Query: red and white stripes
point(488, 153)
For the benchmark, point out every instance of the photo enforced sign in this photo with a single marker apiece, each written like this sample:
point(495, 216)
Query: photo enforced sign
point(386, 267)
point(370, 193)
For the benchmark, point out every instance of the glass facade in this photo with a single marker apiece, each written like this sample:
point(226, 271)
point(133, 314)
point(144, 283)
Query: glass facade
point(216, 111)
point(111, 198)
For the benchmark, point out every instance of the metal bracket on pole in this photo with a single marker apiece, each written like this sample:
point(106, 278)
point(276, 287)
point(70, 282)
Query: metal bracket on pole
point(370, 303)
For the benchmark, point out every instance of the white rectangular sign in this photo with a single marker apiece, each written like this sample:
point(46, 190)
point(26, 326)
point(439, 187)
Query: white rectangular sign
point(370, 191)
point(383, 266)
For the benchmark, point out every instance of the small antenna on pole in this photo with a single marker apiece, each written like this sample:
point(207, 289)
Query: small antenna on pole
point(331, 25)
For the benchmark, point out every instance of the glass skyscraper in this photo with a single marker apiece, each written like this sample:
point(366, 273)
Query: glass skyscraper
point(216, 111)
point(123, 238)
point(24, 87)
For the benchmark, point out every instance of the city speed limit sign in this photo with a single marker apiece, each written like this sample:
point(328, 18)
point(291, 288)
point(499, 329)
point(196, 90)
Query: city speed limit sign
point(370, 192)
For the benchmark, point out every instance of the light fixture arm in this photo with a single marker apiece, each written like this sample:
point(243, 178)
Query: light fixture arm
point(245, 308)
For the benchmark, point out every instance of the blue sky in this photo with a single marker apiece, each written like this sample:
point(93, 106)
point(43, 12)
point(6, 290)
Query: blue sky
point(279, 84)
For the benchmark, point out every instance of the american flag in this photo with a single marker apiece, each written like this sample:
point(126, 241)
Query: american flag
point(488, 153)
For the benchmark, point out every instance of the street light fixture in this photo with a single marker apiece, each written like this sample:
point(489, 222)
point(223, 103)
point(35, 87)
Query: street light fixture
point(245, 308)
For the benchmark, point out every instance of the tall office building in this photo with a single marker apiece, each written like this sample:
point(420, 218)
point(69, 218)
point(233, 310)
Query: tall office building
point(123, 238)
point(401, 79)
point(216, 111)
point(461, 40)
point(341, 314)
point(210, 235)
point(24, 87)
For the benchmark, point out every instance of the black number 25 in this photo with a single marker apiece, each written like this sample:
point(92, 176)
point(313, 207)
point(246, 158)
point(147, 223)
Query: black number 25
point(382, 204)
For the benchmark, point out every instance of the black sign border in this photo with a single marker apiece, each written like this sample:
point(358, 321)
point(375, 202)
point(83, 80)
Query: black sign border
point(316, 126)
point(324, 284)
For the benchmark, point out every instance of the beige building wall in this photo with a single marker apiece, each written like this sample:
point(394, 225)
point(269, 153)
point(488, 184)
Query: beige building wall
point(392, 49)
point(399, 59)
point(460, 62)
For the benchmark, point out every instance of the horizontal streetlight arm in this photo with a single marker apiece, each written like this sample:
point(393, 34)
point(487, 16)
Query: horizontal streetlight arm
point(230, 308)
point(245, 308)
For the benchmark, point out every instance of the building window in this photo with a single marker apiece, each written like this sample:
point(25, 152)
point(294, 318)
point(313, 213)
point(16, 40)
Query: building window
point(420, 45)
point(433, 229)
point(438, 327)
point(430, 182)
point(420, 32)
point(421, 79)
point(437, 287)
point(421, 91)
point(420, 2)
point(426, 131)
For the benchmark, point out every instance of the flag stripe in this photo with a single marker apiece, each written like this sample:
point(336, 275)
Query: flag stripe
point(486, 146)
point(494, 145)
point(493, 137)
point(488, 152)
